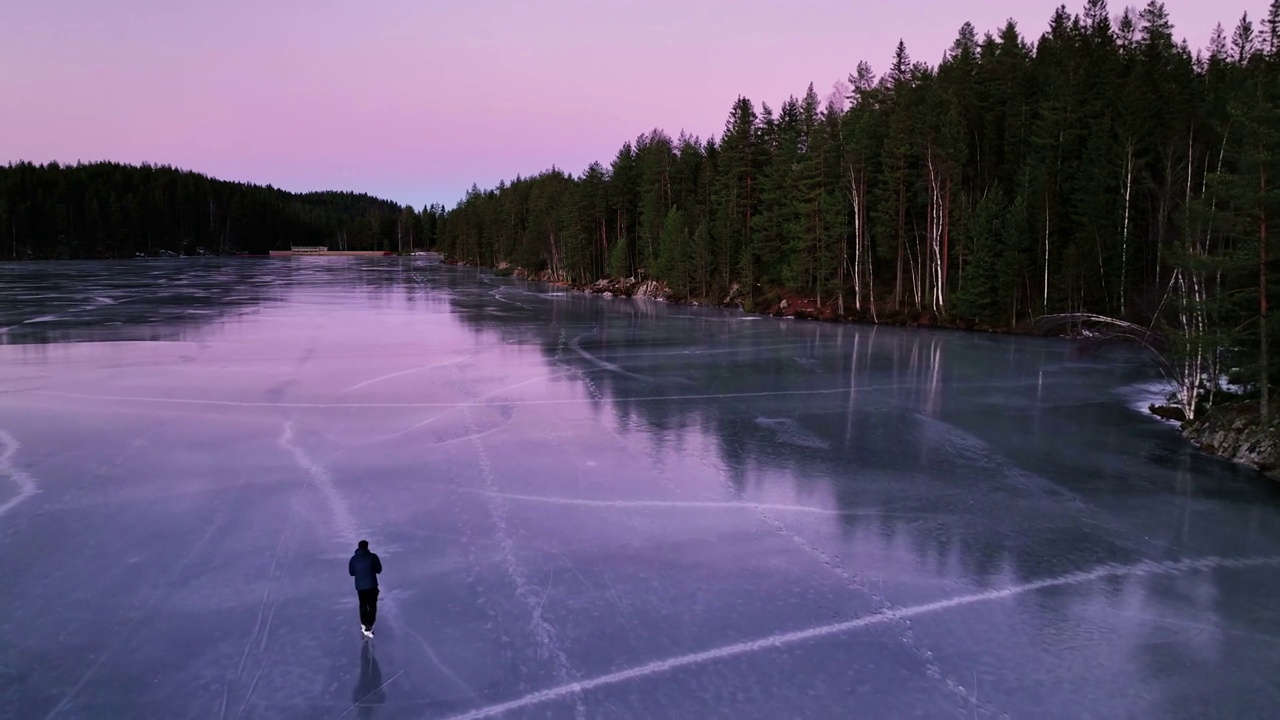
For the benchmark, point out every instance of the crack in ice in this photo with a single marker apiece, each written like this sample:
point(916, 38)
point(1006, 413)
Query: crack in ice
point(402, 373)
point(343, 522)
point(689, 504)
point(576, 345)
point(779, 640)
point(457, 405)
point(27, 485)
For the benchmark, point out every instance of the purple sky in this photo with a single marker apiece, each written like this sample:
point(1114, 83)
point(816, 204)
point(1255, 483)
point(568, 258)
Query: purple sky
point(414, 100)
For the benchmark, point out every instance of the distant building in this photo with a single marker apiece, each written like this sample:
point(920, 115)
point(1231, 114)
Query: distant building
point(315, 250)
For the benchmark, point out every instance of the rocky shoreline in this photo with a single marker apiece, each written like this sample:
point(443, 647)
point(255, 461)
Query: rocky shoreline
point(773, 304)
point(1232, 432)
point(1236, 432)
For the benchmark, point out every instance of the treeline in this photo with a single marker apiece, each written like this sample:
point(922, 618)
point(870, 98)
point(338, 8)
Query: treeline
point(1105, 168)
point(109, 210)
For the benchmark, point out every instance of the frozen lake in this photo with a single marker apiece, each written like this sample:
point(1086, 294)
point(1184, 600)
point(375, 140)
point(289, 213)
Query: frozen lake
point(593, 508)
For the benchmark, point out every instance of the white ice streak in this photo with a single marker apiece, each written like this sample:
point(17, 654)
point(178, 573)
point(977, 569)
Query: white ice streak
point(456, 405)
point(533, 599)
point(603, 364)
point(27, 485)
point(402, 373)
point(682, 504)
point(791, 638)
point(461, 406)
point(360, 701)
point(497, 295)
point(343, 522)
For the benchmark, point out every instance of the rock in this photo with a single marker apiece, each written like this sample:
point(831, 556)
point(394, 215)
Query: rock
point(1237, 433)
point(734, 297)
point(607, 294)
point(1168, 412)
point(650, 289)
point(783, 305)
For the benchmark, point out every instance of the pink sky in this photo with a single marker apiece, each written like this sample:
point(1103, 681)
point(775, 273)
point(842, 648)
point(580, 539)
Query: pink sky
point(413, 100)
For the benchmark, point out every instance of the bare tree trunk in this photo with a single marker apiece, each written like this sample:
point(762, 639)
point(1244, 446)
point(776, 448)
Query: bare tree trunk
point(933, 265)
point(1124, 231)
point(926, 253)
point(866, 252)
point(856, 195)
point(913, 265)
point(946, 235)
point(1045, 308)
point(940, 241)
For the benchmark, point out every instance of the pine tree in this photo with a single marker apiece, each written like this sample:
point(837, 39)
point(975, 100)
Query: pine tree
point(673, 260)
point(736, 188)
point(1271, 30)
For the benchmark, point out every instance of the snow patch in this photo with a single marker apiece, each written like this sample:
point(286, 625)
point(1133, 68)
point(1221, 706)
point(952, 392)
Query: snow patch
point(1141, 396)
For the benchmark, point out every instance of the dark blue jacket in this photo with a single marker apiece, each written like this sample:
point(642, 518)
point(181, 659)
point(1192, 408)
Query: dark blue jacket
point(364, 566)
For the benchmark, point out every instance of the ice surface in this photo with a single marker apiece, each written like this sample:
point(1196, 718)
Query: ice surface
point(593, 508)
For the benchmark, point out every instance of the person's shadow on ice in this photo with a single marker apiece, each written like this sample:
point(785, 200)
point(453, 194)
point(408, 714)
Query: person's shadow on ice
point(369, 692)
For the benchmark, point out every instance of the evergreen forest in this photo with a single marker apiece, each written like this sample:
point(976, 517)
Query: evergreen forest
point(110, 210)
point(1103, 170)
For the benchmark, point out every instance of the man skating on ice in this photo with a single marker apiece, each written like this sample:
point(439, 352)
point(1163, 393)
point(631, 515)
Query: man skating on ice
point(364, 566)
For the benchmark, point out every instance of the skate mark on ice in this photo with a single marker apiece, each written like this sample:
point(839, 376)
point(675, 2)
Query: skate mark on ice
point(497, 295)
point(576, 345)
point(253, 686)
point(394, 614)
point(266, 607)
point(402, 373)
point(343, 522)
point(780, 640)
point(855, 581)
point(462, 438)
point(693, 505)
point(972, 450)
point(542, 631)
point(453, 407)
point(859, 584)
point(356, 704)
point(27, 485)
point(126, 630)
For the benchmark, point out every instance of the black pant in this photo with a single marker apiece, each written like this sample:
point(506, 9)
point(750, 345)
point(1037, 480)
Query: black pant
point(368, 606)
